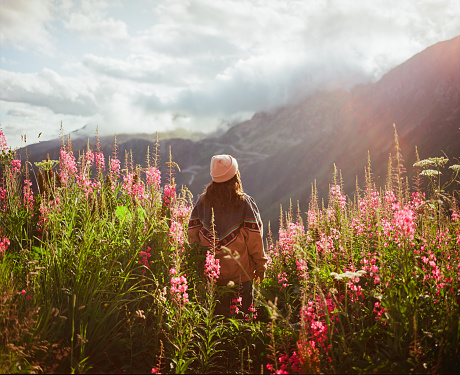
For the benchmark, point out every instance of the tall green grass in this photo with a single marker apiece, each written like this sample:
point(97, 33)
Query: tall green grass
point(89, 263)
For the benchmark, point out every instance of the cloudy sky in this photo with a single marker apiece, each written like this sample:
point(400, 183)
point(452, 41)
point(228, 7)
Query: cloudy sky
point(153, 65)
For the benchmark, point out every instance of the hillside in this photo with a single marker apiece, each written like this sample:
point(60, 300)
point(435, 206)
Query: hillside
point(282, 153)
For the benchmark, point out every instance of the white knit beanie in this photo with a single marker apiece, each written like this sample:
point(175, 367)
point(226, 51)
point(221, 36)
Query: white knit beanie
point(223, 167)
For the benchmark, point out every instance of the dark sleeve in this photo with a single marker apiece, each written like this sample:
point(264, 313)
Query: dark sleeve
point(253, 225)
point(194, 225)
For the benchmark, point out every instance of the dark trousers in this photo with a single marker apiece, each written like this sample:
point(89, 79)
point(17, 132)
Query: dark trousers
point(225, 295)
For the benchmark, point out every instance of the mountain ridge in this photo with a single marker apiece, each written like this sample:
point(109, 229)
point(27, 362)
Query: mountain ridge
point(283, 152)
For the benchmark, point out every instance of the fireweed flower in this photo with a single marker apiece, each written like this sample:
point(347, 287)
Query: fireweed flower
point(236, 304)
point(86, 185)
point(3, 201)
point(176, 234)
point(282, 279)
point(302, 268)
point(289, 236)
point(180, 212)
point(100, 161)
point(153, 177)
point(28, 196)
point(212, 267)
point(144, 258)
point(115, 167)
point(89, 158)
point(314, 316)
point(169, 193)
point(337, 196)
point(404, 222)
point(4, 243)
point(3, 143)
point(133, 187)
point(16, 165)
point(68, 166)
point(179, 289)
point(313, 218)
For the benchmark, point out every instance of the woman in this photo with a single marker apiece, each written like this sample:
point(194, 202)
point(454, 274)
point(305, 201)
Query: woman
point(236, 233)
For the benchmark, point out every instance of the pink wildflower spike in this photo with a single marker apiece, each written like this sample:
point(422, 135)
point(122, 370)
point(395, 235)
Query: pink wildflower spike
point(212, 267)
point(89, 158)
point(132, 188)
point(16, 165)
point(153, 177)
point(169, 193)
point(3, 143)
point(337, 196)
point(289, 236)
point(236, 304)
point(115, 167)
point(68, 166)
point(404, 221)
point(100, 161)
point(144, 258)
point(176, 234)
point(28, 196)
point(4, 244)
point(179, 290)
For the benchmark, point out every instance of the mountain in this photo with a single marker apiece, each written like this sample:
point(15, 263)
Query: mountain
point(283, 152)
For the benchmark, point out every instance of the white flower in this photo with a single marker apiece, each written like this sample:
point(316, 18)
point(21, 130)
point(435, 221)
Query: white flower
point(430, 173)
point(348, 274)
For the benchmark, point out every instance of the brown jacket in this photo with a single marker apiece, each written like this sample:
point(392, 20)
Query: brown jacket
point(240, 230)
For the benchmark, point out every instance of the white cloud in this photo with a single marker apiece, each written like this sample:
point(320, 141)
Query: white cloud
point(48, 89)
point(30, 121)
point(23, 25)
point(95, 26)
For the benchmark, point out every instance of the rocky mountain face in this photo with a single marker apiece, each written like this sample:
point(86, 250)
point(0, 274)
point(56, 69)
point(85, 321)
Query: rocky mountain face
point(283, 152)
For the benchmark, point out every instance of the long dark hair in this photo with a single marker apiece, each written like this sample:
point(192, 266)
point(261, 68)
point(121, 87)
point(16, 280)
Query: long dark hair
point(221, 194)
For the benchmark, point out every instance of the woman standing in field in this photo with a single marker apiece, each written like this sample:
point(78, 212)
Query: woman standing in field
point(237, 229)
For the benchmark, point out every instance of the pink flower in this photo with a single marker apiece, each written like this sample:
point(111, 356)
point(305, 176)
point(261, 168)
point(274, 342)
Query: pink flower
point(212, 267)
point(89, 158)
point(153, 177)
point(4, 243)
point(68, 166)
point(337, 196)
point(133, 188)
point(100, 161)
point(404, 221)
point(179, 290)
point(169, 193)
point(236, 304)
point(144, 258)
point(3, 143)
point(176, 234)
point(28, 196)
point(16, 165)
point(115, 166)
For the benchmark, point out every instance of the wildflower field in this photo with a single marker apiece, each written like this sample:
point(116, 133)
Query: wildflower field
point(97, 275)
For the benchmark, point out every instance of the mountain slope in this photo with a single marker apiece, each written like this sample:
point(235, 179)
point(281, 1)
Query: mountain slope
point(283, 152)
